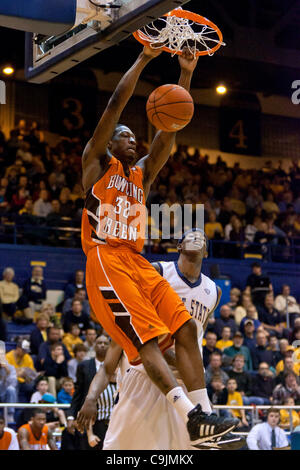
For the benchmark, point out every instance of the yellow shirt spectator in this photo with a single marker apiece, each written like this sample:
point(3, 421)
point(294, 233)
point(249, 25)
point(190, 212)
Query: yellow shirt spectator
point(285, 418)
point(19, 358)
point(69, 341)
point(235, 399)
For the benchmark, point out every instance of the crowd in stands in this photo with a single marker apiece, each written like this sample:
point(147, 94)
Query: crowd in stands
point(251, 351)
point(40, 190)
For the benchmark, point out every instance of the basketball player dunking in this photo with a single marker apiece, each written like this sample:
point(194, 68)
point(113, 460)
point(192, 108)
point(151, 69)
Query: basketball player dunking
point(133, 303)
point(154, 420)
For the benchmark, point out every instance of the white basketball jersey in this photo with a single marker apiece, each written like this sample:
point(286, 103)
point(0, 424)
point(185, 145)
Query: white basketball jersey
point(199, 297)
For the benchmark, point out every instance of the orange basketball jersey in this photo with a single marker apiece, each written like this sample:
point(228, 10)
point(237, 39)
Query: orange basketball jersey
point(115, 211)
point(37, 444)
point(5, 440)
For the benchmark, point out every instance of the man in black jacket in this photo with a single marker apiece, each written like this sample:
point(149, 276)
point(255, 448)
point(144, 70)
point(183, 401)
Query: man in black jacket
point(263, 384)
point(86, 371)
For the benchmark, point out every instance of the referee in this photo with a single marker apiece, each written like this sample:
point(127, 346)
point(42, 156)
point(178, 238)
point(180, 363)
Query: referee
point(86, 371)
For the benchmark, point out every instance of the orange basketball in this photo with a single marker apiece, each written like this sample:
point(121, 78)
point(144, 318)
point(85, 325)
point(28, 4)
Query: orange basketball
point(170, 108)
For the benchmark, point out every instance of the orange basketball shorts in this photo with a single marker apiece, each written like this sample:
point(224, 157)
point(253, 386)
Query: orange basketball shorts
point(131, 300)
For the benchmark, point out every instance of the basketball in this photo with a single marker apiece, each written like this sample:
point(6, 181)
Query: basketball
point(170, 108)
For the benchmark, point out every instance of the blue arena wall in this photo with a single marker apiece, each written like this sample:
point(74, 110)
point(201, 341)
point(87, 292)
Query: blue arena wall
point(61, 263)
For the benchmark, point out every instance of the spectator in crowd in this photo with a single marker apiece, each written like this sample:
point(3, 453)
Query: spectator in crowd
point(290, 388)
point(34, 292)
point(66, 204)
point(209, 347)
point(66, 392)
point(55, 417)
point(287, 304)
point(42, 207)
point(215, 368)
point(243, 378)
point(8, 437)
point(42, 387)
point(249, 334)
point(239, 348)
point(35, 435)
point(72, 338)
point(9, 293)
point(39, 333)
point(268, 435)
point(235, 399)
point(80, 294)
point(77, 316)
point(225, 319)
point(8, 386)
point(288, 364)
point(271, 319)
point(218, 394)
point(235, 296)
point(212, 228)
point(79, 356)
point(241, 310)
point(274, 347)
point(285, 415)
point(85, 374)
point(251, 314)
point(258, 285)
point(54, 336)
point(90, 341)
point(78, 283)
point(225, 340)
point(263, 384)
point(55, 367)
point(21, 360)
point(261, 353)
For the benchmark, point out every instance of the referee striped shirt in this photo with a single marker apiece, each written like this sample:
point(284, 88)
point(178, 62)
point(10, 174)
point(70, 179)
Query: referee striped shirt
point(106, 401)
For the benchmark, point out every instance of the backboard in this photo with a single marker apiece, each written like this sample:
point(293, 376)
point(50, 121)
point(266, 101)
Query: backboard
point(99, 25)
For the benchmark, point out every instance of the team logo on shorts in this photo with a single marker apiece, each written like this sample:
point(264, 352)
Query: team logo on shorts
point(207, 291)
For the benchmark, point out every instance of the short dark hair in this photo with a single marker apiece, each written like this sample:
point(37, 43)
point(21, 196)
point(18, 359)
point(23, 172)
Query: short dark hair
point(255, 265)
point(272, 410)
point(79, 347)
point(37, 411)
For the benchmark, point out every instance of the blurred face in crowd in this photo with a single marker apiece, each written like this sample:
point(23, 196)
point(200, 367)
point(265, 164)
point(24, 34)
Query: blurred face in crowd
point(226, 332)
point(273, 343)
point(212, 216)
point(80, 295)
point(101, 346)
point(238, 363)
point(75, 330)
point(37, 272)
point(90, 336)
point(211, 339)
point(54, 335)
point(288, 363)
point(215, 361)
point(28, 206)
point(76, 307)
point(261, 339)
point(286, 291)
point(231, 385)
point(256, 270)
point(80, 355)
point(8, 275)
point(55, 205)
point(42, 387)
point(291, 382)
point(217, 384)
point(57, 351)
point(42, 323)
point(44, 195)
point(269, 301)
point(225, 311)
point(79, 277)
point(283, 344)
point(249, 329)
point(68, 386)
point(263, 369)
point(251, 312)
point(238, 340)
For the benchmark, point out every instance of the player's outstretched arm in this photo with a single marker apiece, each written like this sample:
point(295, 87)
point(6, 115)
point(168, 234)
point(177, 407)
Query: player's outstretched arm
point(95, 157)
point(163, 141)
point(88, 411)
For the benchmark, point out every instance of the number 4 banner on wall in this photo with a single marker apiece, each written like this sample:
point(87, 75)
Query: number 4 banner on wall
point(240, 131)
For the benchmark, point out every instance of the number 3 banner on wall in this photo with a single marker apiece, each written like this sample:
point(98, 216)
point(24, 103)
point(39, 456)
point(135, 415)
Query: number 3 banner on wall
point(240, 131)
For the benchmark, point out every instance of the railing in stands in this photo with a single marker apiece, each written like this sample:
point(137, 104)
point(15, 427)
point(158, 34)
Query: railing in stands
point(284, 250)
point(254, 409)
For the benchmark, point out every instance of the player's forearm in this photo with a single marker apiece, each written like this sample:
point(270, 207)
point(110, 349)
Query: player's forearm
point(185, 79)
point(98, 385)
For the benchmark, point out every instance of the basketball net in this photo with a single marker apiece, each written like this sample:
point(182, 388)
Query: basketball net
point(179, 32)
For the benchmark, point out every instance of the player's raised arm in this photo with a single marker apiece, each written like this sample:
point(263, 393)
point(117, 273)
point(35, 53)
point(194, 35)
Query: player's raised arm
point(95, 157)
point(163, 141)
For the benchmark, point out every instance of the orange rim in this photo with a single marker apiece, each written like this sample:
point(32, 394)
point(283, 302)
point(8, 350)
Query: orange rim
point(189, 15)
